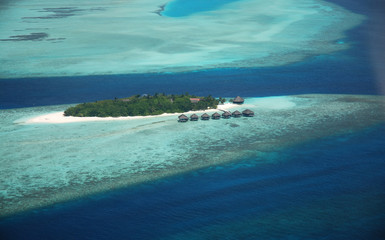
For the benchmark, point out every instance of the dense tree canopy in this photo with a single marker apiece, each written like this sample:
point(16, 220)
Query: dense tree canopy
point(142, 105)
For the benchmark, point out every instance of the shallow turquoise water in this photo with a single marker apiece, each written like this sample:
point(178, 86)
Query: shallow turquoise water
point(45, 39)
point(181, 8)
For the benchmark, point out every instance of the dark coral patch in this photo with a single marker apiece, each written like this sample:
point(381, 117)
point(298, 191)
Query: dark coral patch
point(29, 37)
point(61, 12)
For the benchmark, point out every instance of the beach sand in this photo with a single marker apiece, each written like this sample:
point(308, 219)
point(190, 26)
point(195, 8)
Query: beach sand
point(58, 117)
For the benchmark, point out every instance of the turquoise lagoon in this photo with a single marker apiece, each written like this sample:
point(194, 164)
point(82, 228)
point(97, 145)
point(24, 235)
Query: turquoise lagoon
point(75, 38)
point(182, 8)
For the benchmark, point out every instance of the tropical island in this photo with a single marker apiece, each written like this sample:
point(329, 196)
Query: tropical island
point(144, 105)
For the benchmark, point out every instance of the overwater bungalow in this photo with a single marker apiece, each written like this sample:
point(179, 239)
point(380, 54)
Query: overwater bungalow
point(237, 114)
point(183, 118)
point(216, 116)
point(238, 100)
point(226, 115)
point(194, 117)
point(248, 113)
point(205, 116)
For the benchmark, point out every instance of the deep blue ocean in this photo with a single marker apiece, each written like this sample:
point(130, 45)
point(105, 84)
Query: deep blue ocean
point(332, 188)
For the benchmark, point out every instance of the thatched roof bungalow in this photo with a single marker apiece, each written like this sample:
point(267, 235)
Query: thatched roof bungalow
point(194, 100)
point(205, 116)
point(248, 113)
point(238, 100)
point(226, 115)
point(182, 118)
point(237, 113)
point(216, 116)
point(194, 117)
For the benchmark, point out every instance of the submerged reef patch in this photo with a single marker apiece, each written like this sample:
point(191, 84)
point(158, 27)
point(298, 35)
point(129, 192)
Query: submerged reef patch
point(61, 12)
point(27, 37)
point(44, 164)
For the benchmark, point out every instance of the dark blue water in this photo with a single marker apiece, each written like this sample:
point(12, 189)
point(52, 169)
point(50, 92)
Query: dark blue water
point(182, 8)
point(322, 74)
point(332, 188)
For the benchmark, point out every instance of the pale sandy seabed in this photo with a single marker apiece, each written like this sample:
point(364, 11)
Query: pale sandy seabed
point(68, 38)
point(42, 164)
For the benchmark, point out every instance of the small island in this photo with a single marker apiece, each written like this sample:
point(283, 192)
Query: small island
point(144, 105)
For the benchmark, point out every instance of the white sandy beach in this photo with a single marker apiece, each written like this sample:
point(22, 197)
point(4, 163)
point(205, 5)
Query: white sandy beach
point(58, 117)
point(272, 103)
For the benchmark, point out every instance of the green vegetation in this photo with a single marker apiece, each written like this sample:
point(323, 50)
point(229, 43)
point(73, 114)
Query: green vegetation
point(143, 105)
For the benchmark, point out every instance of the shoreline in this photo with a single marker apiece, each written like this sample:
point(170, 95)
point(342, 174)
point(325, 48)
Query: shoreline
point(59, 118)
